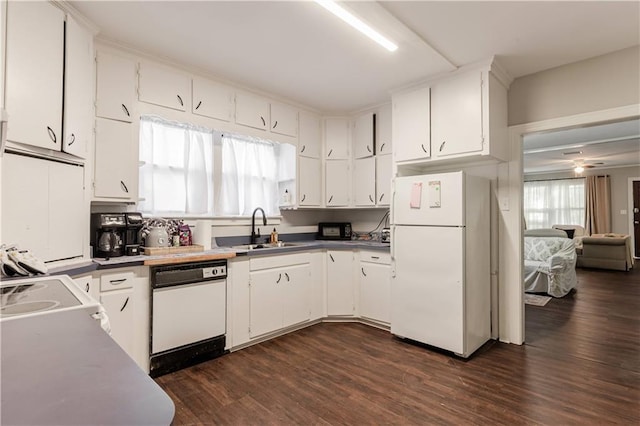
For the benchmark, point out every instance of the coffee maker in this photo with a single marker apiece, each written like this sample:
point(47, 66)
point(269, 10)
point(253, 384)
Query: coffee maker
point(108, 234)
point(133, 226)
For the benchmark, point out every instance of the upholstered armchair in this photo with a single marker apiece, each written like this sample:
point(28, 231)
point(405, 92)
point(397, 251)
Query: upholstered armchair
point(549, 265)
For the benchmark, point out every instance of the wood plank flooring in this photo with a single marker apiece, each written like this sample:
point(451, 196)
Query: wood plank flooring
point(580, 365)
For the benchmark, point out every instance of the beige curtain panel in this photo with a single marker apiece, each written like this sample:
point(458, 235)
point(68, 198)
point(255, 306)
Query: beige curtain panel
point(598, 205)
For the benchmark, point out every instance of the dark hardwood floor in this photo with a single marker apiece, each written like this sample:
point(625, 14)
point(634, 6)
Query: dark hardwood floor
point(580, 365)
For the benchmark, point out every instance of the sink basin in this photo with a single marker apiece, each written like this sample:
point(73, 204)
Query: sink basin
point(279, 244)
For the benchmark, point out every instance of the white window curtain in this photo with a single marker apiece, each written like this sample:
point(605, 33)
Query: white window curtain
point(176, 171)
point(554, 202)
point(249, 176)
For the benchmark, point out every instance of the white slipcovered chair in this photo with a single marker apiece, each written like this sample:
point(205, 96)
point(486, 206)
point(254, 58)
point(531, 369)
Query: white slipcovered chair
point(549, 265)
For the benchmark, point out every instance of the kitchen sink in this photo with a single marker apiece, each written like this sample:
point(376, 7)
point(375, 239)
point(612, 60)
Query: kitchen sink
point(279, 244)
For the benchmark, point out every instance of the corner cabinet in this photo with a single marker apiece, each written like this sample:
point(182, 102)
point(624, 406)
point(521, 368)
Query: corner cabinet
point(280, 292)
point(384, 174)
point(162, 86)
point(411, 126)
point(363, 136)
point(364, 182)
point(115, 160)
point(341, 299)
point(336, 138)
point(337, 183)
point(115, 87)
point(34, 73)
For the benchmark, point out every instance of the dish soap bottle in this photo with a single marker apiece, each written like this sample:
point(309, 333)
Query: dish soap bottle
point(274, 236)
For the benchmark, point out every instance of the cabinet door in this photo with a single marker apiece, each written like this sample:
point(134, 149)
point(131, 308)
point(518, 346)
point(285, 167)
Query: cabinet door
point(363, 136)
point(284, 120)
point(252, 111)
point(340, 290)
point(310, 138)
point(265, 300)
point(78, 89)
point(90, 286)
point(114, 160)
point(297, 295)
point(337, 183)
point(364, 181)
point(336, 138)
point(456, 115)
point(411, 126)
point(383, 180)
point(310, 181)
point(164, 87)
point(119, 307)
point(212, 99)
point(383, 130)
point(66, 206)
point(34, 73)
point(115, 87)
point(375, 291)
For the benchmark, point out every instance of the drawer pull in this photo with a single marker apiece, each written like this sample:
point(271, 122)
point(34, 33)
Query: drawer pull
point(126, 111)
point(276, 124)
point(442, 146)
point(124, 187)
point(199, 103)
point(329, 154)
point(381, 197)
point(180, 100)
point(87, 288)
point(368, 149)
point(331, 256)
point(423, 148)
point(73, 139)
point(117, 282)
point(363, 273)
point(303, 148)
point(287, 275)
point(52, 134)
point(279, 278)
point(264, 123)
point(124, 305)
point(304, 196)
point(371, 199)
point(375, 257)
point(382, 146)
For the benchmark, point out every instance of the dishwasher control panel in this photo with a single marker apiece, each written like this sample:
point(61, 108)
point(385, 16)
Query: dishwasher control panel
point(187, 273)
point(218, 271)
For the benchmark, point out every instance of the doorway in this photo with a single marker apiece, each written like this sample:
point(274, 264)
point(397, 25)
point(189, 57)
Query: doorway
point(635, 215)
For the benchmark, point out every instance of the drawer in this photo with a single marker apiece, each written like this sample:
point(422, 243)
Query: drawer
point(278, 261)
point(375, 257)
point(116, 281)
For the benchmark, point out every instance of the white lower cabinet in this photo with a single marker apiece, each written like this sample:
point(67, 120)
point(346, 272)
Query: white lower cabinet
point(375, 286)
point(341, 299)
point(89, 285)
point(279, 292)
point(125, 294)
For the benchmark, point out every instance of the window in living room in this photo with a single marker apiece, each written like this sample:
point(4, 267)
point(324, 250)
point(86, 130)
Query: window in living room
point(555, 201)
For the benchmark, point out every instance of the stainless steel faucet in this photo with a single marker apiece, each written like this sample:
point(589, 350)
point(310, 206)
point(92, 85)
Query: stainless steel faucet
point(254, 235)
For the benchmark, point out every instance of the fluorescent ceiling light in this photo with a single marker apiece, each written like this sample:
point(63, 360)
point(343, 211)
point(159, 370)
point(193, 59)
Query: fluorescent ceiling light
point(356, 23)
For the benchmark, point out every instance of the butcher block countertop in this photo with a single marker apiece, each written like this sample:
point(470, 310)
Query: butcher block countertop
point(189, 257)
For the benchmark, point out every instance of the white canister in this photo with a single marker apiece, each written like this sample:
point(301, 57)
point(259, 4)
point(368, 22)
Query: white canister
point(202, 233)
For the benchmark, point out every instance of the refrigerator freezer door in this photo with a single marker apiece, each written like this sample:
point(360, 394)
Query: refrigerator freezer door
point(427, 291)
point(435, 200)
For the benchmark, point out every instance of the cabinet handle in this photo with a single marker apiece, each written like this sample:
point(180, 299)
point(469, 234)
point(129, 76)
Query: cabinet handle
point(126, 111)
point(381, 197)
point(125, 304)
point(279, 278)
point(52, 134)
point(363, 273)
point(287, 275)
point(368, 149)
point(180, 100)
point(382, 146)
point(442, 145)
point(331, 257)
point(73, 139)
point(264, 123)
point(371, 199)
point(199, 103)
point(423, 148)
point(303, 198)
point(87, 288)
point(118, 282)
point(330, 198)
point(303, 148)
point(124, 187)
point(375, 257)
point(276, 124)
point(329, 154)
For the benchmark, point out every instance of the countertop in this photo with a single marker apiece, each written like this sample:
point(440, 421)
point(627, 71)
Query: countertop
point(63, 368)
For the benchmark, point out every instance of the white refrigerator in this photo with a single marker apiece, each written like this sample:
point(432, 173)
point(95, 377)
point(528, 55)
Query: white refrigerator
point(440, 241)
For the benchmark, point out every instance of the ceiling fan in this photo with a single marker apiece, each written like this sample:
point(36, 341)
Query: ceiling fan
point(579, 166)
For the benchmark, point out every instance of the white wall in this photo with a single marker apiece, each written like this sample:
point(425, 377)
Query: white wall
point(599, 83)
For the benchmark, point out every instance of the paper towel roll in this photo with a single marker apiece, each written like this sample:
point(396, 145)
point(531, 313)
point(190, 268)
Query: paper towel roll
point(202, 233)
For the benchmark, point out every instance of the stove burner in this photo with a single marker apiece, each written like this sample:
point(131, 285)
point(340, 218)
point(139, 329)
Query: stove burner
point(29, 307)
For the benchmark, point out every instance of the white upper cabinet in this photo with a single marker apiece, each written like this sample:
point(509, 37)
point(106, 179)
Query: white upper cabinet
point(456, 115)
point(336, 138)
point(309, 181)
point(115, 87)
point(78, 89)
point(284, 120)
point(212, 99)
point(363, 131)
point(34, 73)
point(115, 160)
point(337, 183)
point(383, 180)
point(310, 136)
point(162, 86)
point(411, 126)
point(364, 181)
point(252, 111)
point(383, 130)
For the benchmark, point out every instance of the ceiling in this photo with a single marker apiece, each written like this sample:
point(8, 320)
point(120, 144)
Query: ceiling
point(300, 52)
point(602, 146)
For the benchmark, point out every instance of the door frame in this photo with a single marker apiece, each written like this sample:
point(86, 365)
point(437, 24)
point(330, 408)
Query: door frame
point(511, 288)
point(630, 214)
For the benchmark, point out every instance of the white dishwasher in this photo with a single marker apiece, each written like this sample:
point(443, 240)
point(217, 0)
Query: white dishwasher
point(188, 315)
